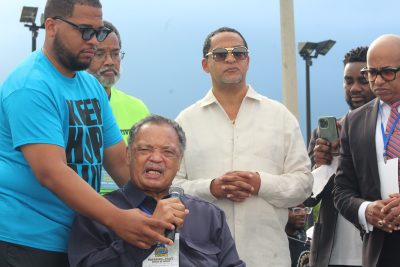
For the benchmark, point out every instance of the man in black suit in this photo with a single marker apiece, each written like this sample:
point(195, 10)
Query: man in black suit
point(336, 242)
point(363, 164)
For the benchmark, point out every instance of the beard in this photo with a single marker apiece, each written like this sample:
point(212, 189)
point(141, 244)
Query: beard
point(349, 103)
point(66, 58)
point(232, 79)
point(354, 105)
point(107, 82)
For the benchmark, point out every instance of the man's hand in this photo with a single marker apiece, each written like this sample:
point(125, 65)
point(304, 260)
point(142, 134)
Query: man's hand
point(375, 216)
point(140, 229)
point(392, 212)
point(236, 185)
point(323, 151)
point(171, 210)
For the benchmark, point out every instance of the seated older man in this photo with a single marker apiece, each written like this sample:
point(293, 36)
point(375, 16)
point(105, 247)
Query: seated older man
point(202, 238)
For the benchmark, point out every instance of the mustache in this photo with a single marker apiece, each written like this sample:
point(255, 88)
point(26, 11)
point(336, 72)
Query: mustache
point(357, 94)
point(106, 69)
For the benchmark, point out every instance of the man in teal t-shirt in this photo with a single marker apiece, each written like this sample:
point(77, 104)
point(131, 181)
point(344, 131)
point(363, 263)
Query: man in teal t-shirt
point(127, 109)
point(57, 131)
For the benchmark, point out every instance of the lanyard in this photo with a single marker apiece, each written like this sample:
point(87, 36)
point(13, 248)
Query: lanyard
point(385, 137)
point(143, 208)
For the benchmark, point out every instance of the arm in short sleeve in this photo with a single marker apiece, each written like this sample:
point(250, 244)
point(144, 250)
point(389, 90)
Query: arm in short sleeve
point(33, 117)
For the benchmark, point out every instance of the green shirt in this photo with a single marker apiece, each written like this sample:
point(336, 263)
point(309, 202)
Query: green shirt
point(127, 111)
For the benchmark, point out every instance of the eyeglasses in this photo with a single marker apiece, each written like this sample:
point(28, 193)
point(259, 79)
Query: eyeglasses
point(388, 74)
point(220, 54)
point(87, 31)
point(115, 55)
point(167, 152)
point(300, 211)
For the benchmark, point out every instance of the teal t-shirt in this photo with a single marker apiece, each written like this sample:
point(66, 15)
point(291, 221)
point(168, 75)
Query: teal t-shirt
point(40, 105)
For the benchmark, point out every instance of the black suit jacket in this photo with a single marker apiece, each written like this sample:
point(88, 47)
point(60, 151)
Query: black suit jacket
point(357, 177)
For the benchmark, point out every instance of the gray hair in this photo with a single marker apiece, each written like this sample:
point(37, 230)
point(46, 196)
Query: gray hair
point(114, 29)
point(158, 120)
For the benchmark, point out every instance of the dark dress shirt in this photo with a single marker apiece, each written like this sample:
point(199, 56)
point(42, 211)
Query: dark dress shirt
point(325, 226)
point(299, 248)
point(205, 239)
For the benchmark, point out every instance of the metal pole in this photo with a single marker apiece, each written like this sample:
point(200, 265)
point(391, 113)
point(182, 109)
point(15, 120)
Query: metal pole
point(289, 76)
point(308, 102)
point(34, 30)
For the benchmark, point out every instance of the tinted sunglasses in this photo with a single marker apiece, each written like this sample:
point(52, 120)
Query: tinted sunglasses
point(87, 31)
point(220, 54)
point(388, 74)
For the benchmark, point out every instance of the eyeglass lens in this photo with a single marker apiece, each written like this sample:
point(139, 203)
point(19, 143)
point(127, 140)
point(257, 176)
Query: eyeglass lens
point(101, 34)
point(115, 55)
point(298, 210)
point(220, 54)
point(387, 74)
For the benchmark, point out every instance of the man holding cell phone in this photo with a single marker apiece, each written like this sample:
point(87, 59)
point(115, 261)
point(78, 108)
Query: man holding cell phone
point(336, 241)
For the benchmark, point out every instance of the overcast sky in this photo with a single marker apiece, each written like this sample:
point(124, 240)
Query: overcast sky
point(163, 41)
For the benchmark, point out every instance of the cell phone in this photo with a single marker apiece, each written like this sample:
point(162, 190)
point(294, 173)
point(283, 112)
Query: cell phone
point(328, 130)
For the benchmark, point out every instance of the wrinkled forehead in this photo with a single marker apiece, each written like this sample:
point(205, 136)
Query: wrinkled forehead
point(226, 39)
point(157, 135)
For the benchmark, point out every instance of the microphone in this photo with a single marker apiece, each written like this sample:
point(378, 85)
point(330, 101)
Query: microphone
point(174, 192)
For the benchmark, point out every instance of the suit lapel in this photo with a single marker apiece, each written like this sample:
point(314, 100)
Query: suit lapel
point(369, 131)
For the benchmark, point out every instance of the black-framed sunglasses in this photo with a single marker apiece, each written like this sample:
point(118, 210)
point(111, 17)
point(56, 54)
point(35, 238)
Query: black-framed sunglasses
point(87, 31)
point(220, 54)
point(388, 74)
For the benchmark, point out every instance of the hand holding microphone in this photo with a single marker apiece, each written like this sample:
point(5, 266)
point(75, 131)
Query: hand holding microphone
point(171, 210)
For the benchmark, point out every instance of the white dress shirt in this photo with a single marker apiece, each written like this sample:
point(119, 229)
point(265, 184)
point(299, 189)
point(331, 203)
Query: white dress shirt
point(264, 138)
point(382, 118)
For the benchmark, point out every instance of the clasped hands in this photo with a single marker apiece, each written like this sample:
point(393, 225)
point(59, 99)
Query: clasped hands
point(236, 186)
point(385, 214)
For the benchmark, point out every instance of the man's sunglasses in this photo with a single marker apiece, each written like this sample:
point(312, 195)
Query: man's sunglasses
point(87, 31)
point(220, 54)
point(388, 74)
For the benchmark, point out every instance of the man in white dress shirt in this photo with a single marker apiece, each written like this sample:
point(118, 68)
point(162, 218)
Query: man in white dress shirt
point(245, 153)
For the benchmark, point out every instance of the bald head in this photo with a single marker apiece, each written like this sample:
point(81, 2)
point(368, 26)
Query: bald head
point(383, 61)
point(389, 43)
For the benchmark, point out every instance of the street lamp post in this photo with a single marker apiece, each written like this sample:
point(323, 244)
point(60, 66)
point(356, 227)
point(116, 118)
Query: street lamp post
point(308, 51)
point(28, 17)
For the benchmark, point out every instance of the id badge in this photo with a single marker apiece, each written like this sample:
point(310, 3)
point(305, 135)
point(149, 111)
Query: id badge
point(164, 256)
point(388, 174)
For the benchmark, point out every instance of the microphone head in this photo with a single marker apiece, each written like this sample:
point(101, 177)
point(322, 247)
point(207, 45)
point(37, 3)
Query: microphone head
point(176, 191)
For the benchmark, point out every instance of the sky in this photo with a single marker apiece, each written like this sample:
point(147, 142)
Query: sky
point(163, 42)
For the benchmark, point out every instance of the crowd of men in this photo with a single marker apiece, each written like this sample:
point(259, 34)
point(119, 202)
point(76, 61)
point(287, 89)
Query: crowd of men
point(229, 183)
